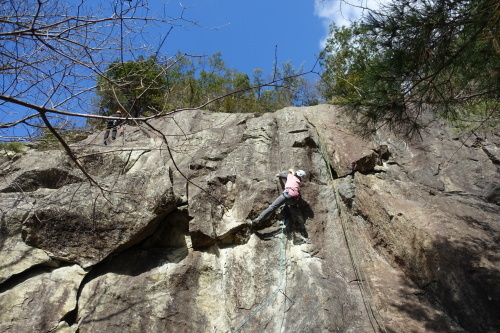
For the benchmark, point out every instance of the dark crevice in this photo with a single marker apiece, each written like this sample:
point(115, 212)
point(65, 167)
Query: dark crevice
point(31, 272)
point(144, 256)
point(151, 252)
point(494, 196)
point(34, 272)
point(306, 142)
point(126, 168)
point(298, 131)
point(333, 172)
point(33, 180)
point(492, 157)
point(70, 317)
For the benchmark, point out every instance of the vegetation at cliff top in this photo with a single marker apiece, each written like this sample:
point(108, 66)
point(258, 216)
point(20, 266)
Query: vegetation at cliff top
point(409, 56)
point(150, 86)
point(389, 68)
point(14, 147)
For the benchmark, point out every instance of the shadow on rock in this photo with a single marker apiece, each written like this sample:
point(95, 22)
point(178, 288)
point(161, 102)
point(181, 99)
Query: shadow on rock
point(461, 284)
point(268, 233)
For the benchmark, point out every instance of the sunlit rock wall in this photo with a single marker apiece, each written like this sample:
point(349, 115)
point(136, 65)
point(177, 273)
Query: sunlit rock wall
point(389, 235)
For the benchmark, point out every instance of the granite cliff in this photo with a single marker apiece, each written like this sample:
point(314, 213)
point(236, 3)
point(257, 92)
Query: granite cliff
point(389, 235)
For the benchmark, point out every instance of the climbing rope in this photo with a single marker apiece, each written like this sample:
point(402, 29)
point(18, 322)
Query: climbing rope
point(366, 292)
point(282, 246)
point(280, 279)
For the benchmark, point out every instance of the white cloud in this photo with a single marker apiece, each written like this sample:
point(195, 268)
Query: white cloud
point(342, 12)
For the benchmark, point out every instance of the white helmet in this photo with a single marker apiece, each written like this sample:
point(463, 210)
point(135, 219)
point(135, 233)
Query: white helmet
point(300, 173)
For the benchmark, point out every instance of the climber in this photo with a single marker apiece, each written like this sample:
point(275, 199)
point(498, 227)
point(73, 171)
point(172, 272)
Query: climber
point(112, 124)
point(289, 196)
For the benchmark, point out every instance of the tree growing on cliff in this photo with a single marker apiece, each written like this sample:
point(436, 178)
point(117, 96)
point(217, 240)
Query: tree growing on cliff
point(136, 86)
point(147, 86)
point(411, 55)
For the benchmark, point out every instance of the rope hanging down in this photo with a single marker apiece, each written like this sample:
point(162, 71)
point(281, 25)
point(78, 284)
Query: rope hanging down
point(282, 245)
point(280, 279)
point(366, 292)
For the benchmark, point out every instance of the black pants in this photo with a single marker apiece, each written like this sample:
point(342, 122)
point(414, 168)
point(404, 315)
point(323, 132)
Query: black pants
point(113, 133)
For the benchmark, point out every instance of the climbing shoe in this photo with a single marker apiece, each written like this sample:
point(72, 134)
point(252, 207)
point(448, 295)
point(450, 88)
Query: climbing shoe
point(256, 224)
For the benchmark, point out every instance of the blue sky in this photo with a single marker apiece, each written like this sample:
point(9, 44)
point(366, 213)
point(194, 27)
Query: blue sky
point(248, 33)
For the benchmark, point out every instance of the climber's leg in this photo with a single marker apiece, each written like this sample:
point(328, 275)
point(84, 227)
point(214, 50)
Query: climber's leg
point(106, 135)
point(113, 133)
point(272, 207)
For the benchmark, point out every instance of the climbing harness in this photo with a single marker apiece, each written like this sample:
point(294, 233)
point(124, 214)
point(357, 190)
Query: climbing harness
point(280, 279)
point(366, 292)
point(292, 192)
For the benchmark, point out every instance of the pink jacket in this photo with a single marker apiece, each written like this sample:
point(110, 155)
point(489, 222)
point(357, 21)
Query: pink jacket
point(292, 185)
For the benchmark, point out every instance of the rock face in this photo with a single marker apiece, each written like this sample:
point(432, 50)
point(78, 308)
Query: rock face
point(388, 236)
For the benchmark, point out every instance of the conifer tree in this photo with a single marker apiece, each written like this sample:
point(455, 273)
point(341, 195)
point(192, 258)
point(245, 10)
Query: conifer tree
point(412, 55)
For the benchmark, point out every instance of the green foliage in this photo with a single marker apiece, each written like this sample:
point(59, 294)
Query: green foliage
point(147, 87)
point(15, 147)
point(135, 86)
point(346, 59)
point(46, 140)
point(414, 54)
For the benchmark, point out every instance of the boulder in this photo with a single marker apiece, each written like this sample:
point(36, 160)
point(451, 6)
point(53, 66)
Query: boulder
point(83, 223)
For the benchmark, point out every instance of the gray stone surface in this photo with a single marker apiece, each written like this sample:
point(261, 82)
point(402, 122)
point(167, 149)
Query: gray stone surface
point(162, 244)
point(40, 300)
